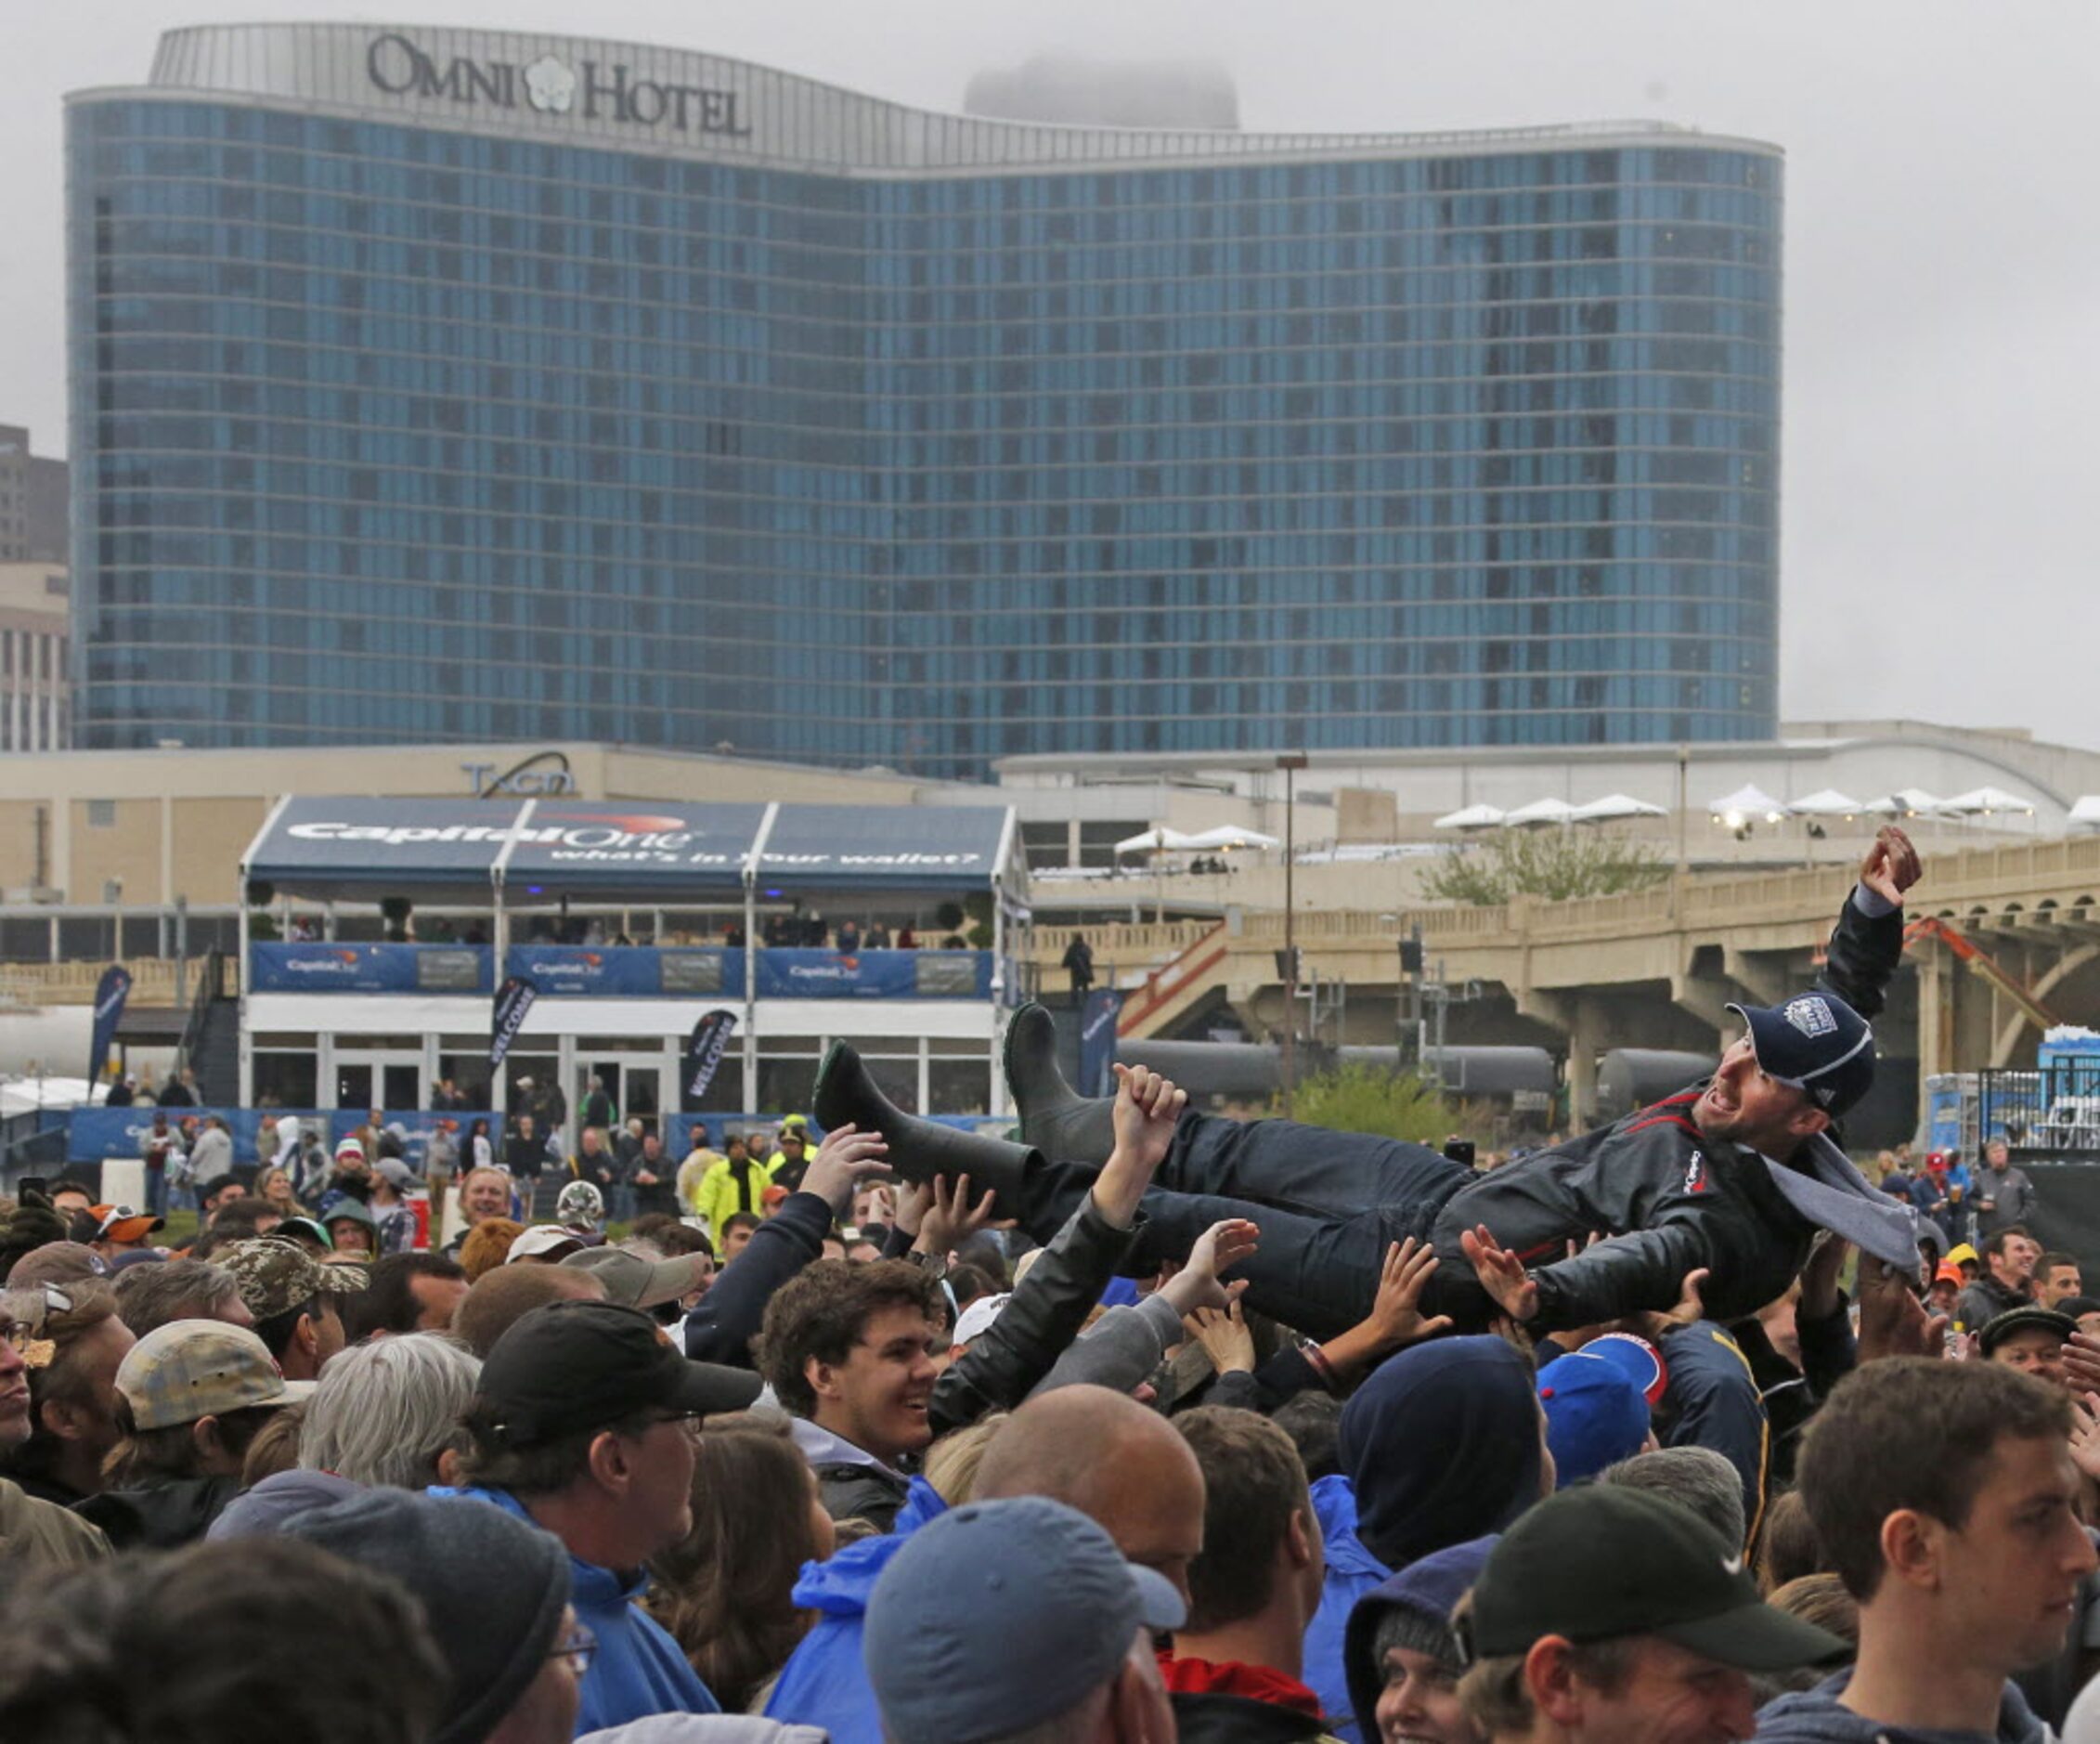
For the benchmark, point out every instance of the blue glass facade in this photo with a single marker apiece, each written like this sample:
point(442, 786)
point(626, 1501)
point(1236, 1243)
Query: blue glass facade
point(393, 430)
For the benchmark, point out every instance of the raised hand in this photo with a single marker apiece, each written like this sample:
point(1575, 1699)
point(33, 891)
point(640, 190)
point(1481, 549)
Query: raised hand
point(1892, 865)
point(1147, 1109)
point(1218, 1249)
point(1688, 1308)
point(1397, 1318)
point(847, 1157)
point(1147, 1106)
point(1225, 1337)
point(948, 1219)
point(1501, 1274)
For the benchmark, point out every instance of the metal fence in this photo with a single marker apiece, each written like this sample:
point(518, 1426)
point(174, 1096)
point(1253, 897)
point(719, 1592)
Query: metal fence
point(2047, 1113)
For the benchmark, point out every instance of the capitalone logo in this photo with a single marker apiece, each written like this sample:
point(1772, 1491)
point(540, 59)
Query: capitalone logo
point(550, 86)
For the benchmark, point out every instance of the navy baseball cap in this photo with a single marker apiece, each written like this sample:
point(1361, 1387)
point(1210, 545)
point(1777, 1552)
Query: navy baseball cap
point(1001, 1615)
point(1818, 1044)
point(1595, 1416)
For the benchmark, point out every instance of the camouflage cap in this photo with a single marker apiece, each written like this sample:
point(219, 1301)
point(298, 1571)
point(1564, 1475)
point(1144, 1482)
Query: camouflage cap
point(191, 1369)
point(275, 1275)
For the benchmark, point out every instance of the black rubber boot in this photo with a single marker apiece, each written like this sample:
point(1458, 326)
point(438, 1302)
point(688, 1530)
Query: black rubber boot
point(919, 1149)
point(1056, 1118)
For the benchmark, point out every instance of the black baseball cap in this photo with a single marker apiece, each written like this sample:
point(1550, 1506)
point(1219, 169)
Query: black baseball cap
point(1600, 1562)
point(584, 1365)
point(1818, 1044)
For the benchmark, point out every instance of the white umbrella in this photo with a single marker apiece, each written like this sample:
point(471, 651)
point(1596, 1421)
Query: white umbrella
point(1825, 802)
point(1159, 839)
point(1984, 801)
point(1907, 802)
point(1538, 813)
point(1472, 817)
point(1747, 802)
point(1227, 836)
point(1614, 805)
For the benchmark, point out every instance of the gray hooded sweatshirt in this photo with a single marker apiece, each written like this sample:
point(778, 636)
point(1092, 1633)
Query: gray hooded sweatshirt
point(1816, 1717)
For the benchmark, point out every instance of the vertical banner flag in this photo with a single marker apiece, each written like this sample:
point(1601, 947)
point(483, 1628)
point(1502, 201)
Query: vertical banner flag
point(703, 1051)
point(110, 995)
point(1097, 1041)
point(514, 1000)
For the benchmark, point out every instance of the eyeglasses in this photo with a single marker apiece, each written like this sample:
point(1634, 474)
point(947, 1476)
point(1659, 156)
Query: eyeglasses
point(574, 1649)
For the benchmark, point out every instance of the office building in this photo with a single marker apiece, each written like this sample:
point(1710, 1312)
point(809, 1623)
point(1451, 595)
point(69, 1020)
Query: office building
point(32, 501)
point(445, 386)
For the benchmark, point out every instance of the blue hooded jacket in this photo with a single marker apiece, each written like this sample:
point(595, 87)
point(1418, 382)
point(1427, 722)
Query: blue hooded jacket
point(824, 1681)
point(637, 1669)
point(1442, 1444)
point(1432, 1587)
point(1351, 1571)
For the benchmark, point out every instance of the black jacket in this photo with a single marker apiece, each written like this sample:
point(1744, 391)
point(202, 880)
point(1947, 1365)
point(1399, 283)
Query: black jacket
point(863, 1492)
point(722, 1328)
point(1652, 1181)
point(164, 1514)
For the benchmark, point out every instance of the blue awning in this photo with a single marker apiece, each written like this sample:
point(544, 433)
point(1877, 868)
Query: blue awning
point(614, 849)
point(900, 847)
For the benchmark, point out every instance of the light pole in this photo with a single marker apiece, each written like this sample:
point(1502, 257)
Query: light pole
point(1291, 763)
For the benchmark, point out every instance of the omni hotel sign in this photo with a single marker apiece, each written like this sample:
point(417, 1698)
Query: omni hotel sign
point(552, 86)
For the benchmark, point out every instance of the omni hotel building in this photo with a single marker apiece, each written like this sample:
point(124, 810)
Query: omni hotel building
point(440, 385)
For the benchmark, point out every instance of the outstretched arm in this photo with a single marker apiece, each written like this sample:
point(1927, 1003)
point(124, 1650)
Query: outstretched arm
point(1867, 943)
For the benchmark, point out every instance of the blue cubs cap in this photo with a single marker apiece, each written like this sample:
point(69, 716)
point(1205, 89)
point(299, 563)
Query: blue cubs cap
point(1594, 1417)
point(1818, 1044)
point(1001, 1615)
point(1636, 1359)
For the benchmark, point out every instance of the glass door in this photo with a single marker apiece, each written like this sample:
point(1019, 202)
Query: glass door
point(365, 1080)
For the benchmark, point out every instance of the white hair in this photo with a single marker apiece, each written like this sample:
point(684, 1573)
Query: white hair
point(386, 1410)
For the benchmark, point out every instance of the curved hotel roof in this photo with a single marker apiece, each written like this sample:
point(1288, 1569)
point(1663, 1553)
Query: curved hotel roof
point(592, 89)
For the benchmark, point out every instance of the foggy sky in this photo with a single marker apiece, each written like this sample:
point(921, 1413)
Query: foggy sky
point(1942, 249)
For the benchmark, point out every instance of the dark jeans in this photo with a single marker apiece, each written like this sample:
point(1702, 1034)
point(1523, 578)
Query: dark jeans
point(1327, 1203)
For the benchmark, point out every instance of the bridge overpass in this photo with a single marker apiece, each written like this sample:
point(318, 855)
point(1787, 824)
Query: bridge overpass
point(1655, 969)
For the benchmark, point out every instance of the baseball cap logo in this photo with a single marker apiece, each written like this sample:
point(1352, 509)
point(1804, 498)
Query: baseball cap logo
point(1812, 1017)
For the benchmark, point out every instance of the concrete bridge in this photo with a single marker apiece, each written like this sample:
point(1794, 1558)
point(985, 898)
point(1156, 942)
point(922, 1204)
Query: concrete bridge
point(1656, 969)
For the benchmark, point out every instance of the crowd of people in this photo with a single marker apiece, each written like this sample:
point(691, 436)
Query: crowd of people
point(1148, 1426)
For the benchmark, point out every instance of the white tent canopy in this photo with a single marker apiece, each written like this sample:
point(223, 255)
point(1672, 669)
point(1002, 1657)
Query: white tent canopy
point(1907, 802)
point(1984, 801)
point(1159, 839)
point(2087, 810)
point(1614, 805)
point(1825, 802)
point(1538, 813)
point(1472, 817)
point(1749, 800)
point(1229, 836)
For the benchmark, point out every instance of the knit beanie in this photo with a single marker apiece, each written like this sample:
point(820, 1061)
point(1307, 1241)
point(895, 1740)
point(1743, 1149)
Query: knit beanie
point(493, 1586)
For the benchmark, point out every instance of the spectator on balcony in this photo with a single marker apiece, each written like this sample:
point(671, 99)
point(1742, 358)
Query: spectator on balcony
point(123, 1093)
point(878, 937)
point(848, 936)
point(1079, 963)
point(180, 1090)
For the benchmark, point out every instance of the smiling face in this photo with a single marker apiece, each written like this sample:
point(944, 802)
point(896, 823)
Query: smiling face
point(1746, 1105)
point(877, 1397)
point(2034, 1350)
point(1419, 1702)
